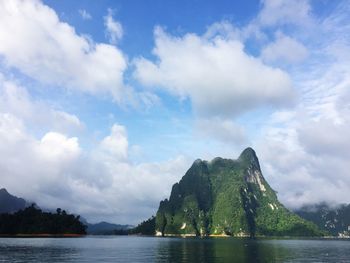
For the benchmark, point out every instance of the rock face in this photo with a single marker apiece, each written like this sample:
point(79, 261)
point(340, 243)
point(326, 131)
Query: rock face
point(227, 197)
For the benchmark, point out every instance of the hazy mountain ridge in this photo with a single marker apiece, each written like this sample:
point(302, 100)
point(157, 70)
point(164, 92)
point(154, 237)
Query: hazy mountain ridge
point(228, 197)
point(10, 203)
point(335, 220)
point(105, 228)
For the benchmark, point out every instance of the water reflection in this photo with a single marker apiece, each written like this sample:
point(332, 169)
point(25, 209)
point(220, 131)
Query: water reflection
point(35, 252)
point(150, 249)
point(220, 250)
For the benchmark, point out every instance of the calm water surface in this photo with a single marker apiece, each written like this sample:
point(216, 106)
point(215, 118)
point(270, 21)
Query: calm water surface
point(150, 249)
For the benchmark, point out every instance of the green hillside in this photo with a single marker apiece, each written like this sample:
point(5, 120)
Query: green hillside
point(228, 197)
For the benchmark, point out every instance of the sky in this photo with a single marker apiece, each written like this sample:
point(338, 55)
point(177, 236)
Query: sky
point(104, 105)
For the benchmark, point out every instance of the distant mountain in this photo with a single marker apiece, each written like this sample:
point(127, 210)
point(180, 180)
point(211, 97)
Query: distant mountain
point(335, 220)
point(10, 203)
point(105, 228)
point(228, 197)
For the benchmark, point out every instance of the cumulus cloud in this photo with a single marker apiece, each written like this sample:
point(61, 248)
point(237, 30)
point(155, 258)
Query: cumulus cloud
point(56, 147)
point(116, 144)
point(35, 41)
point(307, 165)
point(215, 73)
point(307, 168)
point(100, 184)
point(114, 30)
point(284, 49)
point(53, 170)
point(305, 152)
point(31, 165)
point(15, 99)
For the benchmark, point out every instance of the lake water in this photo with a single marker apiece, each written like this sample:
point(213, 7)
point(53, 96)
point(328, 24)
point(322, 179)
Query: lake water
point(151, 249)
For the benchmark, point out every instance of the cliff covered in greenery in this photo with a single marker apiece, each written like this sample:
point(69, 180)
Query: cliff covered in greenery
point(146, 227)
point(32, 220)
point(228, 197)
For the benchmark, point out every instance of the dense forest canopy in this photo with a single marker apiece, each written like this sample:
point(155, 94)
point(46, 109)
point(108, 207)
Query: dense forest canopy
point(147, 227)
point(33, 220)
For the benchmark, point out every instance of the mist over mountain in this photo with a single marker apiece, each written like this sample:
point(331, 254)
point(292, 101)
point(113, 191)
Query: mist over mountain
point(105, 228)
point(333, 219)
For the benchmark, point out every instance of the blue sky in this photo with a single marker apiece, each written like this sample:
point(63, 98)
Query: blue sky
point(105, 104)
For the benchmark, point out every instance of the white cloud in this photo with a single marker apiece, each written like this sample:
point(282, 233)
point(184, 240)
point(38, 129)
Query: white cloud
point(35, 41)
point(15, 99)
point(226, 131)
point(85, 15)
point(57, 147)
point(30, 166)
point(286, 15)
point(306, 162)
point(224, 29)
point(116, 145)
point(53, 170)
point(326, 138)
point(114, 30)
point(279, 12)
point(101, 184)
point(215, 73)
point(284, 49)
point(305, 152)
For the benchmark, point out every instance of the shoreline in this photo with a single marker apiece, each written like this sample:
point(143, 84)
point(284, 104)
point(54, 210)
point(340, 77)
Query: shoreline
point(45, 235)
point(255, 238)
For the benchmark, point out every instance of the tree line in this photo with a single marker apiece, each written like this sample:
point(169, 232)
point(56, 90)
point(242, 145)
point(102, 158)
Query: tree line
point(33, 220)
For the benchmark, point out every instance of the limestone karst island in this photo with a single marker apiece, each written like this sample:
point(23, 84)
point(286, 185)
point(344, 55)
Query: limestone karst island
point(227, 197)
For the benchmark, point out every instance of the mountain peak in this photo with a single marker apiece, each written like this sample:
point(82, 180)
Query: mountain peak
point(198, 161)
point(249, 155)
point(248, 152)
point(227, 197)
point(3, 190)
point(10, 203)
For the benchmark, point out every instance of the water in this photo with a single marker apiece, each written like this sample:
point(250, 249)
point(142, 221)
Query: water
point(150, 249)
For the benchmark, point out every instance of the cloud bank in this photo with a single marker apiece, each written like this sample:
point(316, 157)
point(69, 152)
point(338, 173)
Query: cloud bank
point(35, 41)
point(55, 171)
point(219, 77)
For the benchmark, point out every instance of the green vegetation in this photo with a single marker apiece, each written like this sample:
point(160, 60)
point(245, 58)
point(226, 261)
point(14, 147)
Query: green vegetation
point(228, 197)
point(147, 227)
point(32, 220)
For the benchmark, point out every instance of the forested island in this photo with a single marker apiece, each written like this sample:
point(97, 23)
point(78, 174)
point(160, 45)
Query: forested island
point(225, 197)
point(32, 221)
